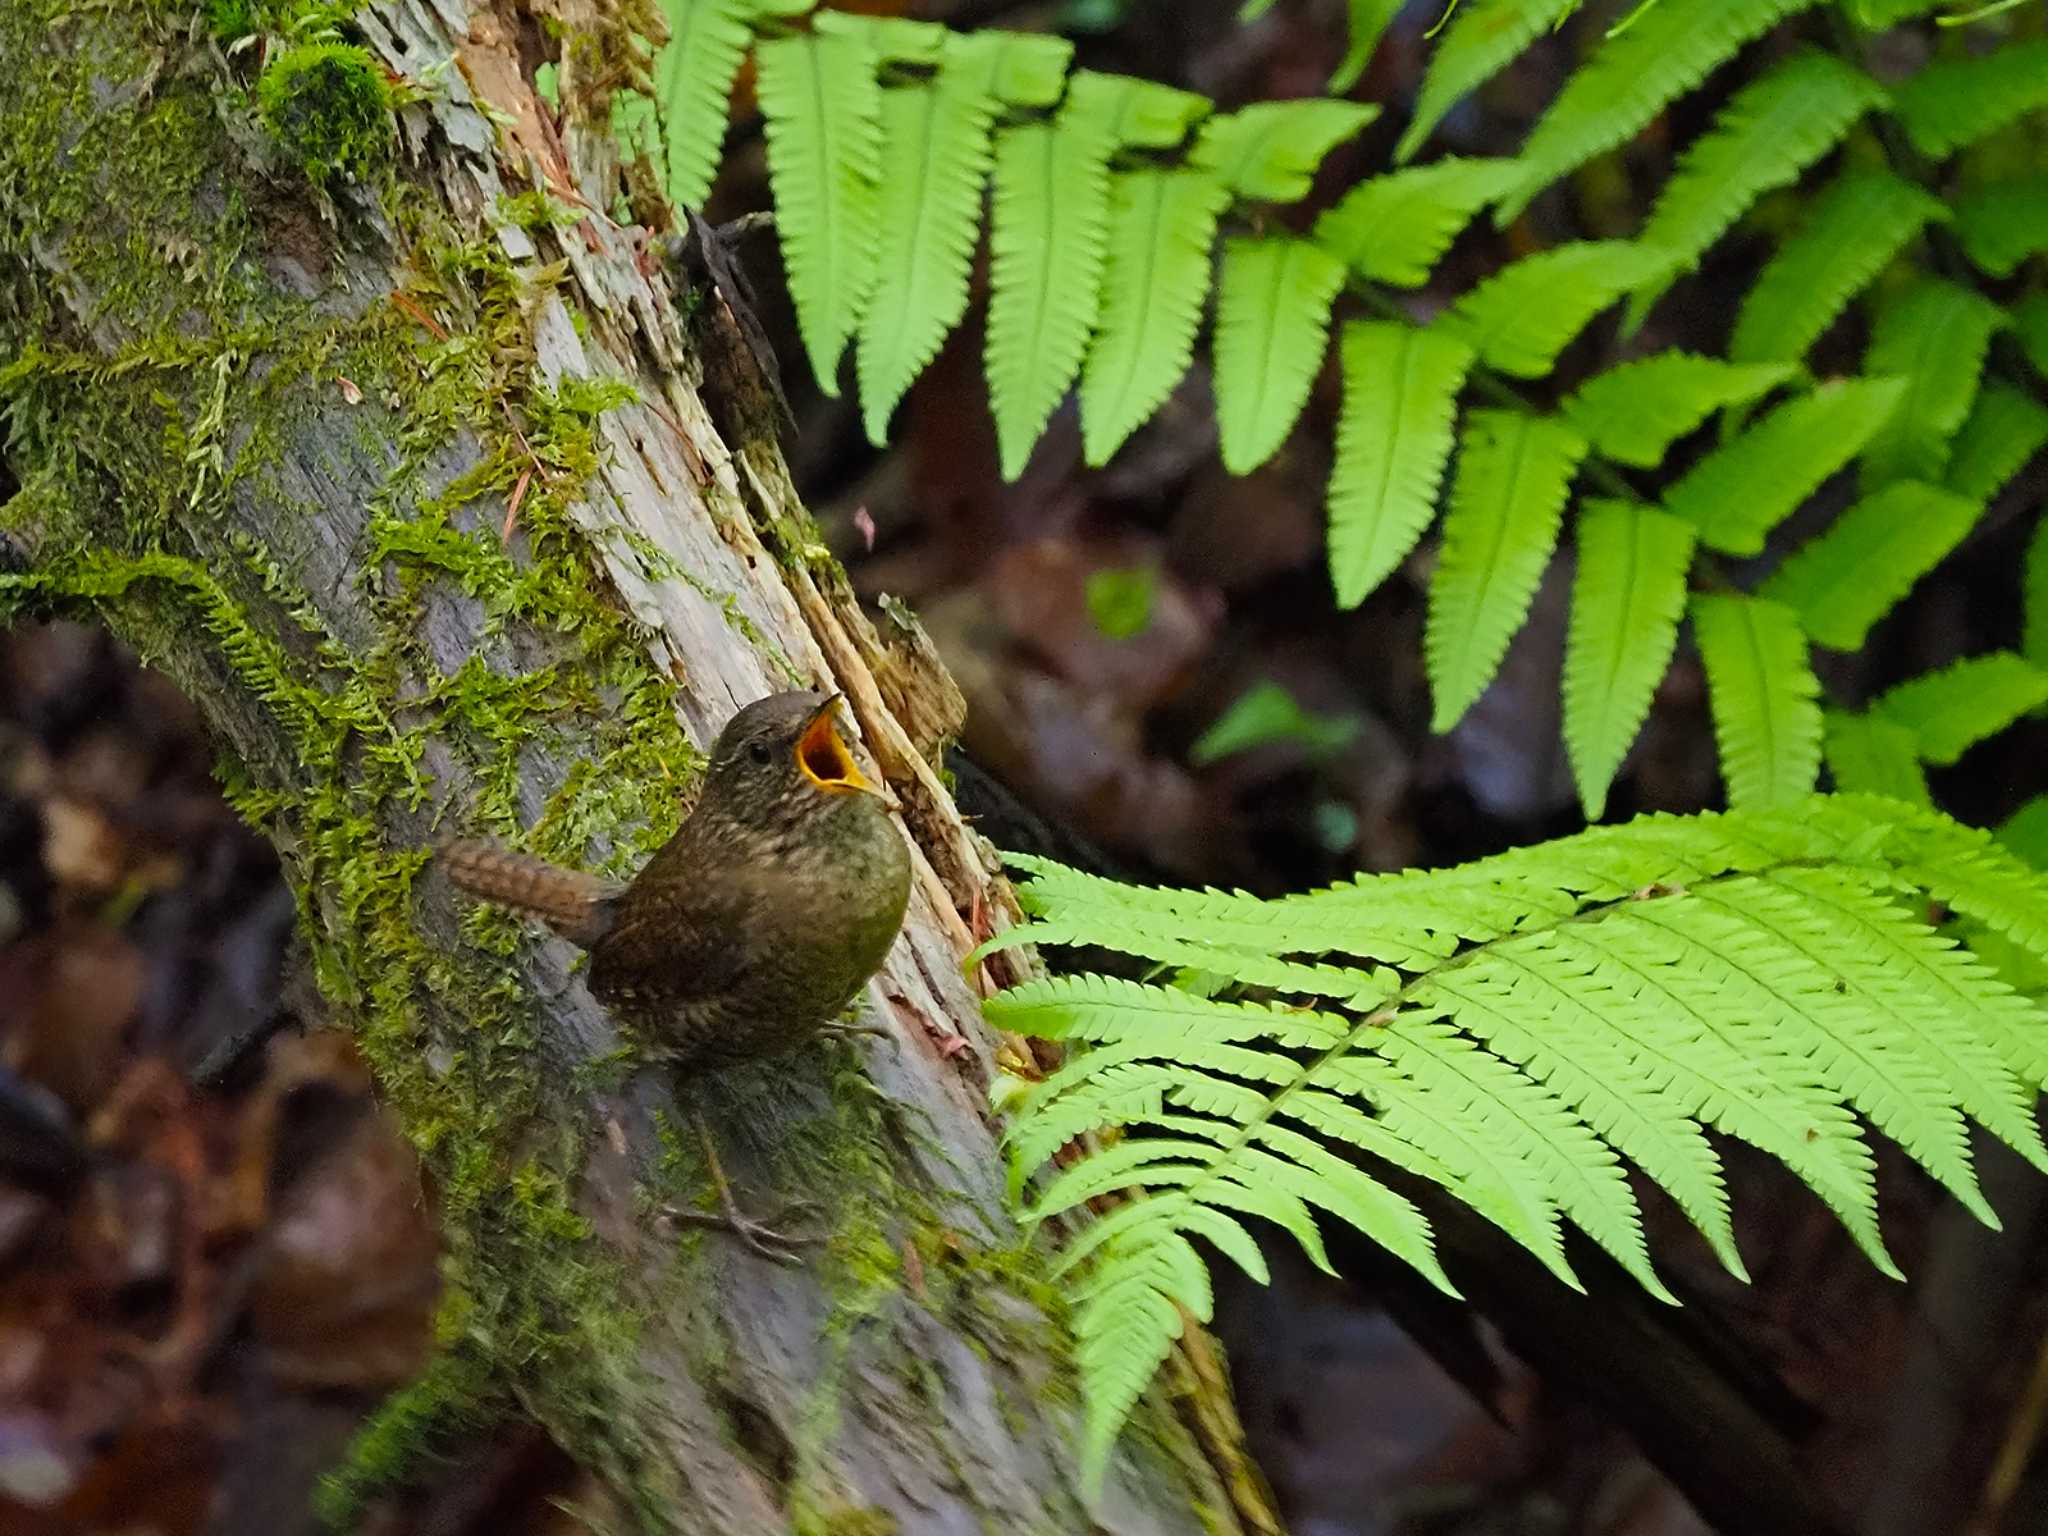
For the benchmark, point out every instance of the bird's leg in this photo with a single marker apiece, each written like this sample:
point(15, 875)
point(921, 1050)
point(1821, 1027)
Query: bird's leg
point(759, 1236)
point(848, 1024)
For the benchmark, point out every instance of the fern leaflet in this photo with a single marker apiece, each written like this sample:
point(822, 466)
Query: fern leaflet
point(1483, 36)
point(1627, 598)
point(1868, 754)
point(2034, 598)
point(1738, 493)
point(1633, 413)
point(1268, 152)
point(1394, 228)
point(1957, 101)
point(1633, 75)
point(1368, 19)
point(1847, 579)
point(1272, 321)
point(823, 105)
point(1393, 438)
point(2003, 224)
point(2030, 325)
point(1764, 697)
point(1952, 710)
point(1934, 336)
point(1519, 319)
point(693, 76)
point(2005, 429)
point(1849, 235)
point(1764, 138)
point(1507, 499)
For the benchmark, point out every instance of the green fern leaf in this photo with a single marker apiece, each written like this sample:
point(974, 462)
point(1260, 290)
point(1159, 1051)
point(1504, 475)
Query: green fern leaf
point(1952, 710)
point(2005, 429)
point(1272, 321)
point(2030, 326)
point(1737, 494)
point(1048, 231)
point(2025, 832)
point(1393, 438)
point(1848, 578)
point(1849, 235)
point(1394, 228)
point(2003, 224)
point(1507, 499)
point(1633, 75)
point(1519, 319)
point(1632, 414)
point(935, 155)
point(1765, 138)
point(1483, 36)
point(1161, 223)
point(1764, 697)
point(1627, 598)
point(1957, 101)
point(2034, 598)
point(823, 106)
point(1268, 152)
point(693, 76)
point(1935, 336)
point(1368, 20)
point(1869, 755)
point(1025, 69)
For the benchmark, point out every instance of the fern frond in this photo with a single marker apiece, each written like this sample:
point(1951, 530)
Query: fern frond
point(1849, 235)
point(1764, 698)
point(1633, 413)
point(1367, 20)
point(1161, 223)
point(2034, 598)
point(1272, 322)
point(1765, 138)
point(1268, 152)
point(1935, 336)
point(1627, 598)
point(1507, 499)
point(822, 102)
point(1851, 576)
point(1394, 228)
point(2005, 429)
point(1631, 77)
point(1738, 493)
point(1952, 710)
point(1869, 755)
point(935, 156)
point(1957, 101)
point(1519, 319)
point(693, 75)
point(1393, 438)
point(2002, 224)
point(1483, 36)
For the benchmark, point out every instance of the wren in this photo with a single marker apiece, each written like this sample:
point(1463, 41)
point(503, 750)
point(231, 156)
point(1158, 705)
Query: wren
point(752, 928)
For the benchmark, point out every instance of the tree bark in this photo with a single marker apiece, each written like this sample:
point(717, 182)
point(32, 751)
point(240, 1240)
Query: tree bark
point(419, 489)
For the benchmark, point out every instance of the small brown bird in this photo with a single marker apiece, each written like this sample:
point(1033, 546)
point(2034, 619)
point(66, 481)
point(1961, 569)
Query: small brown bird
point(751, 928)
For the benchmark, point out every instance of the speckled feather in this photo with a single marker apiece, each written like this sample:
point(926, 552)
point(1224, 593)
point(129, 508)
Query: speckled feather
point(757, 922)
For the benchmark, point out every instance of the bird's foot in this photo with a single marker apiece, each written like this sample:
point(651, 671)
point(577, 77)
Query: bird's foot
point(845, 1029)
point(762, 1237)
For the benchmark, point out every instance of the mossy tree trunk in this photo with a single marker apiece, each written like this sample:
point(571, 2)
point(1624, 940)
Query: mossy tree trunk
point(447, 513)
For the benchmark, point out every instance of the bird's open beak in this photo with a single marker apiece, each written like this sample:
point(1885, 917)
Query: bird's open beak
point(826, 761)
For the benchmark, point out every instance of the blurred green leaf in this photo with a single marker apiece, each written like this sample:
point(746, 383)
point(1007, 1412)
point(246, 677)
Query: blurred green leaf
point(1268, 714)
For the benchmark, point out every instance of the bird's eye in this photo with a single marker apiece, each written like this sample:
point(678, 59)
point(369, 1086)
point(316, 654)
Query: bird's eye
point(758, 751)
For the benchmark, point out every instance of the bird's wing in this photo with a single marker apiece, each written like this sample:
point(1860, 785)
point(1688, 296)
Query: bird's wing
point(680, 940)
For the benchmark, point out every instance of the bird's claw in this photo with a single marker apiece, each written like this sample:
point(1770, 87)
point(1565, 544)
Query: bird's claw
point(763, 1237)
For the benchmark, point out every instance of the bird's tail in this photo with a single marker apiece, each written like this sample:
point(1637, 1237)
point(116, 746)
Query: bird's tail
point(574, 904)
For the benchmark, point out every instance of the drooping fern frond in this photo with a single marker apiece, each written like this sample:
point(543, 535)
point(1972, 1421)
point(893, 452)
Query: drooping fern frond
point(1934, 336)
point(1958, 101)
point(1851, 232)
point(1851, 576)
point(1507, 501)
point(1393, 440)
point(1483, 36)
point(1627, 598)
point(1633, 413)
point(1952, 710)
point(820, 95)
point(1633, 75)
point(1764, 698)
point(1272, 322)
point(2005, 429)
point(1394, 228)
point(1519, 319)
point(1741, 491)
point(1268, 152)
point(2002, 224)
point(1765, 138)
point(693, 76)
point(1870, 755)
point(1557, 1009)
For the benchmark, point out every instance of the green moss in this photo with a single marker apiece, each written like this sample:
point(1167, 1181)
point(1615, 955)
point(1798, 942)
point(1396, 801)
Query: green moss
point(328, 105)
